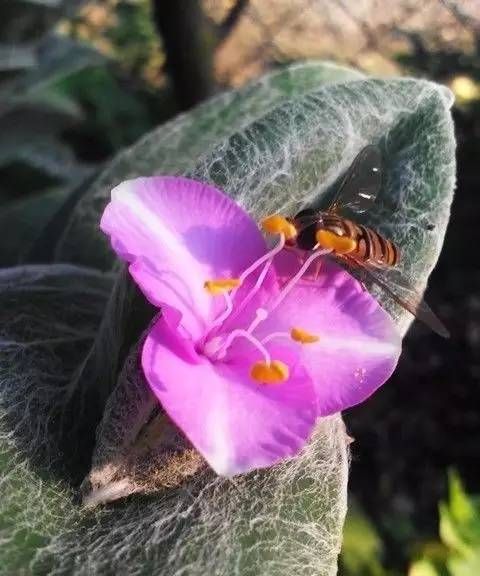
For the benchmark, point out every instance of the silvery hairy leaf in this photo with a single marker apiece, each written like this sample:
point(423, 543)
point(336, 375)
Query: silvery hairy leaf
point(279, 144)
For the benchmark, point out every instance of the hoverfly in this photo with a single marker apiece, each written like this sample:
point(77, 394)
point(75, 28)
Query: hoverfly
point(358, 247)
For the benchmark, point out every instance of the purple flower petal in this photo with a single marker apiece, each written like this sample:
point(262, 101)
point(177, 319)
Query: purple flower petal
point(178, 233)
point(236, 423)
point(359, 345)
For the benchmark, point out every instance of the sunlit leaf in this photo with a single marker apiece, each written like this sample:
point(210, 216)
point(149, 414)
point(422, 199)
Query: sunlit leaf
point(277, 144)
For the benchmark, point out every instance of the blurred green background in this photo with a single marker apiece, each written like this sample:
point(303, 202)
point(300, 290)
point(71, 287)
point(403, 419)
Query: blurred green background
point(81, 80)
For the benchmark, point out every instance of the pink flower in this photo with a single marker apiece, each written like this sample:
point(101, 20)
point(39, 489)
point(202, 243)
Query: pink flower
point(248, 351)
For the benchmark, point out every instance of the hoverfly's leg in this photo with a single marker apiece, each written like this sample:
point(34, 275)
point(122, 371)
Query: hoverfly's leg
point(362, 277)
point(301, 258)
point(318, 266)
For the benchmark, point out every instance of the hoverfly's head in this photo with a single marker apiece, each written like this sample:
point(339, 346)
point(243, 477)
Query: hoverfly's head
point(277, 224)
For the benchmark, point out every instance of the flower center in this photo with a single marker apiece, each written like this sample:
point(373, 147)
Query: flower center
point(215, 347)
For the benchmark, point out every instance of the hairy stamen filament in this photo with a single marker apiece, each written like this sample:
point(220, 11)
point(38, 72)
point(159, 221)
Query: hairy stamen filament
point(218, 351)
point(226, 313)
point(295, 279)
point(268, 258)
point(244, 334)
point(253, 291)
point(276, 336)
point(261, 314)
point(296, 334)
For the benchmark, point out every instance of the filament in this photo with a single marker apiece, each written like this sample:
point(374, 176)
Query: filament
point(268, 256)
point(226, 313)
point(293, 281)
point(253, 291)
point(244, 334)
point(261, 314)
point(276, 336)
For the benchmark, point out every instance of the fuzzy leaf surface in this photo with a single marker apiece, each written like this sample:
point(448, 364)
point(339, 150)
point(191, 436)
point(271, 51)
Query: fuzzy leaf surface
point(279, 144)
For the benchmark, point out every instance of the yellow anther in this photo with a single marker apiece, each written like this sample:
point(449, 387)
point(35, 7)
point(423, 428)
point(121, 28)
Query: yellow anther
point(221, 285)
point(272, 373)
point(277, 224)
point(302, 336)
point(339, 244)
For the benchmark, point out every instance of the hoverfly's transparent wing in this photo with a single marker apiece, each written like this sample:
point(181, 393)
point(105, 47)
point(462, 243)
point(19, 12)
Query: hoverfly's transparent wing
point(361, 184)
point(357, 191)
point(397, 288)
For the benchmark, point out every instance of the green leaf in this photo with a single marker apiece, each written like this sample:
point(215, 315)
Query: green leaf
point(49, 316)
point(48, 319)
point(451, 533)
point(174, 148)
point(461, 506)
point(469, 566)
point(423, 568)
point(23, 221)
point(460, 520)
point(362, 547)
point(14, 57)
point(30, 20)
point(276, 144)
point(57, 57)
point(283, 152)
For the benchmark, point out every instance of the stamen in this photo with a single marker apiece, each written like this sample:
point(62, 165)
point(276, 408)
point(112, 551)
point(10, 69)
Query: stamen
point(295, 279)
point(243, 334)
point(272, 373)
point(226, 313)
point(339, 244)
point(277, 224)
point(221, 285)
point(268, 257)
point(276, 336)
point(302, 336)
point(254, 290)
point(297, 334)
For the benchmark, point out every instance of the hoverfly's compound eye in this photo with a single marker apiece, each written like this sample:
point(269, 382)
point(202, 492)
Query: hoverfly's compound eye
point(306, 223)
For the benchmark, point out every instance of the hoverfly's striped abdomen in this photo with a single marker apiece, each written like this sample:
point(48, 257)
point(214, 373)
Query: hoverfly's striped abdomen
point(371, 247)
